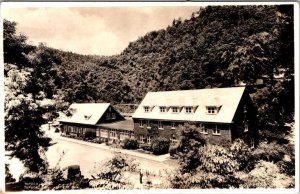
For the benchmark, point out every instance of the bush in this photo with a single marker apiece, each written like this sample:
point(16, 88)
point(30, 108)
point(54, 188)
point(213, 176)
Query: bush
point(160, 146)
point(130, 144)
point(89, 135)
point(173, 151)
point(56, 130)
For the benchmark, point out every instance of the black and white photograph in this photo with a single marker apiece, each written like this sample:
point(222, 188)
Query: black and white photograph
point(150, 96)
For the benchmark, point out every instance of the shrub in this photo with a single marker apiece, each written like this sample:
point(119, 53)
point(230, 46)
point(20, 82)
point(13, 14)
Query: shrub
point(130, 144)
point(89, 135)
point(160, 145)
point(173, 151)
point(56, 130)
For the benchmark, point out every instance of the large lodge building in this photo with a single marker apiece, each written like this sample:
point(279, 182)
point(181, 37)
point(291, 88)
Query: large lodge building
point(222, 115)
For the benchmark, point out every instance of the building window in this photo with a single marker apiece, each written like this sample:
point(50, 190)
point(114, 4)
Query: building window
point(124, 135)
point(113, 134)
point(141, 123)
point(252, 143)
point(172, 125)
point(107, 116)
point(160, 125)
point(98, 132)
point(188, 109)
point(113, 115)
point(104, 133)
point(216, 131)
point(149, 139)
point(211, 110)
point(148, 124)
point(175, 109)
point(147, 108)
point(142, 138)
point(203, 130)
point(246, 127)
point(162, 109)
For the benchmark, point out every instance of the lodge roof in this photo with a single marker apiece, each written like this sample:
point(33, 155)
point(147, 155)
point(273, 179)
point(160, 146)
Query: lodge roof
point(225, 99)
point(86, 113)
point(126, 124)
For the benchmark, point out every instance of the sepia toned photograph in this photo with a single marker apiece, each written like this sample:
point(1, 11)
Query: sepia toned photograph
point(147, 96)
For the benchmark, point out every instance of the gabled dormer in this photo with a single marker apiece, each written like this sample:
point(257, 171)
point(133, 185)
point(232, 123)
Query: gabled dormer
point(213, 110)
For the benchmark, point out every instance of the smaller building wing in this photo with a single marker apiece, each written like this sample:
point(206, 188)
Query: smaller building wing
point(85, 113)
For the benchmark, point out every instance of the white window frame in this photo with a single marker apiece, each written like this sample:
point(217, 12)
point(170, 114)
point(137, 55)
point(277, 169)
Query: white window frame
point(148, 124)
point(113, 134)
point(162, 109)
point(146, 108)
point(142, 138)
point(203, 130)
point(148, 140)
point(189, 109)
point(160, 125)
point(124, 135)
point(173, 125)
point(141, 123)
point(216, 131)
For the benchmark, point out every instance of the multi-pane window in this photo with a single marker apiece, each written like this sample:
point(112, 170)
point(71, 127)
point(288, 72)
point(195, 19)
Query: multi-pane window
point(141, 123)
point(148, 139)
point(203, 130)
point(173, 125)
point(162, 109)
point(142, 138)
point(113, 134)
point(147, 108)
point(175, 109)
point(216, 131)
point(108, 116)
point(124, 135)
point(113, 115)
point(211, 110)
point(148, 123)
point(160, 125)
point(188, 109)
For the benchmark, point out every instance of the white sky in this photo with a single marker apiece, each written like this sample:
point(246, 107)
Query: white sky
point(92, 30)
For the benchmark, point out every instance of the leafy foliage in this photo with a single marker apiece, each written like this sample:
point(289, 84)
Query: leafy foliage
point(160, 145)
point(111, 174)
point(187, 149)
point(130, 144)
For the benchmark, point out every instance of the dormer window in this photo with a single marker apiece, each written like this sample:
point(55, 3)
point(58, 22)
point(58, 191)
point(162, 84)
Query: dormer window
point(162, 109)
point(212, 110)
point(87, 117)
point(175, 109)
point(147, 108)
point(188, 109)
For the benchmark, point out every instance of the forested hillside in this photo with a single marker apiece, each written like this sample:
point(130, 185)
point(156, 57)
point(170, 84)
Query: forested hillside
point(218, 46)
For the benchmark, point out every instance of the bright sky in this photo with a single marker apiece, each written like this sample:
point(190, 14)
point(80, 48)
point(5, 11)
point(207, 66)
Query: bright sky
point(92, 30)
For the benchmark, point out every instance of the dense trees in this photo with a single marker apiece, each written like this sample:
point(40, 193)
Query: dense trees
point(219, 46)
